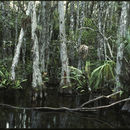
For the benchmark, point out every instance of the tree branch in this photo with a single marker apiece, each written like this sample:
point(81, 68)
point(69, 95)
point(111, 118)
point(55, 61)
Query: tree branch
point(86, 28)
point(78, 109)
point(106, 106)
point(99, 98)
point(46, 108)
point(105, 38)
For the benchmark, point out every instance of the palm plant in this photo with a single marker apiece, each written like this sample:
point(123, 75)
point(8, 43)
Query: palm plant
point(102, 74)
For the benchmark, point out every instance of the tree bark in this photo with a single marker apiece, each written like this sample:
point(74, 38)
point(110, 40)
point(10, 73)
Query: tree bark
point(81, 20)
point(122, 30)
point(71, 49)
point(65, 72)
point(72, 19)
point(48, 34)
point(37, 82)
point(18, 47)
point(45, 36)
point(43, 40)
point(100, 49)
point(77, 19)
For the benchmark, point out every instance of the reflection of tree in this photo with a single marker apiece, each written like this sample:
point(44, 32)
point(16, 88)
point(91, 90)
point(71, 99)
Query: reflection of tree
point(11, 120)
point(125, 120)
point(25, 118)
point(40, 119)
point(92, 121)
point(16, 119)
point(35, 119)
point(63, 120)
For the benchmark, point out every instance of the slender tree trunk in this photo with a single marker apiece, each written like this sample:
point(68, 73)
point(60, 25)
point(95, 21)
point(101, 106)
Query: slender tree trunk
point(23, 57)
point(16, 55)
point(101, 50)
point(105, 15)
point(43, 38)
point(65, 81)
point(80, 61)
point(16, 28)
point(91, 8)
point(94, 9)
point(6, 33)
point(18, 47)
point(48, 26)
point(123, 26)
point(66, 9)
point(77, 19)
point(37, 82)
point(110, 14)
point(72, 19)
point(71, 34)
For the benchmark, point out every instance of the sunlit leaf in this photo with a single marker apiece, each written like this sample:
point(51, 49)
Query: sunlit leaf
point(65, 87)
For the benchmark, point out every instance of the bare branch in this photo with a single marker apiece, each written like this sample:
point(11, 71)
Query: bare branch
point(45, 108)
point(106, 106)
point(78, 109)
point(86, 28)
point(105, 38)
point(95, 99)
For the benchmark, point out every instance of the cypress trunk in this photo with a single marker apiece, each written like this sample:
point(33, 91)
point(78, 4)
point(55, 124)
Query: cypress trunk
point(37, 82)
point(123, 26)
point(65, 81)
point(18, 47)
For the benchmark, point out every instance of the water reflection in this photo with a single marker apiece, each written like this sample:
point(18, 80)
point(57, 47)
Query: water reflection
point(13, 118)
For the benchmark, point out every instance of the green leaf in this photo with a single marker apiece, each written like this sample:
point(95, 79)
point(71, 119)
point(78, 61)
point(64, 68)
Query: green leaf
point(121, 92)
point(1, 73)
point(24, 80)
point(78, 87)
point(82, 91)
point(4, 81)
point(87, 66)
point(65, 87)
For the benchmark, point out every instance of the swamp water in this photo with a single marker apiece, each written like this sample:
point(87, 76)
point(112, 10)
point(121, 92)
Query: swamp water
point(16, 118)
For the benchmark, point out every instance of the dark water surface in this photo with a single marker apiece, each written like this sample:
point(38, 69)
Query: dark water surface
point(14, 118)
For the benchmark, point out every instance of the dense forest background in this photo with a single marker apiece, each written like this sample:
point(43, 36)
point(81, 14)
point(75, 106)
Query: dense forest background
point(72, 46)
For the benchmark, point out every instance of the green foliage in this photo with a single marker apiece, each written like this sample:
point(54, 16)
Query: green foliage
point(78, 79)
point(6, 82)
point(87, 68)
point(89, 35)
point(65, 86)
point(45, 77)
point(103, 73)
point(88, 22)
point(39, 27)
point(121, 92)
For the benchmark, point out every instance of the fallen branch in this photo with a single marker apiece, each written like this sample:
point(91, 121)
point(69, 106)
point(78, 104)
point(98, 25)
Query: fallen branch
point(99, 98)
point(46, 108)
point(106, 106)
point(79, 109)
